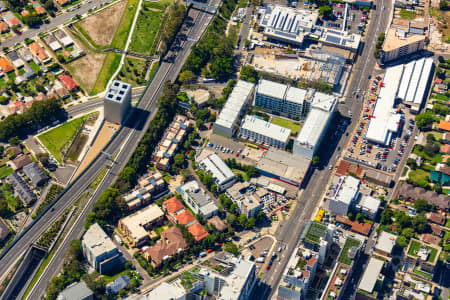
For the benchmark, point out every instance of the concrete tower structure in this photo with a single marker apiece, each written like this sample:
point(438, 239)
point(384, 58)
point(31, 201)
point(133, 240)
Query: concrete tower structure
point(117, 101)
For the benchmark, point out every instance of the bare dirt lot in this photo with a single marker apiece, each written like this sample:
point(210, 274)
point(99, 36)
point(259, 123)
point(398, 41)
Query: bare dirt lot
point(102, 26)
point(85, 70)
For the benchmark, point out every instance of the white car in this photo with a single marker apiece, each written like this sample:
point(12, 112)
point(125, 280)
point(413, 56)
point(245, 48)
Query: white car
point(330, 167)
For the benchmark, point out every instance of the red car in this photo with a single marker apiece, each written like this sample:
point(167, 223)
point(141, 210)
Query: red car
point(267, 267)
point(209, 250)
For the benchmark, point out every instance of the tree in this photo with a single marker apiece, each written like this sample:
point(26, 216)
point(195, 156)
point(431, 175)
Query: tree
point(179, 159)
point(231, 248)
point(402, 242)
point(231, 219)
point(242, 220)
point(234, 208)
point(420, 224)
point(359, 218)
point(221, 67)
point(3, 100)
point(95, 282)
point(315, 160)
point(14, 141)
point(421, 205)
point(186, 76)
point(251, 222)
point(248, 73)
point(423, 119)
point(214, 188)
point(443, 5)
point(386, 216)
point(351, 216)
point(43, 158)
point(408, 233)
point(326, 12)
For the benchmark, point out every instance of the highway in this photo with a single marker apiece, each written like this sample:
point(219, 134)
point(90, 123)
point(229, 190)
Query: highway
point(290, 230)
point(125, 142)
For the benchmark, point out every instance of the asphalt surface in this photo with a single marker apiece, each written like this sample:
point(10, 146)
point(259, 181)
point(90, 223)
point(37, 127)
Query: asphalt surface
point(290, 231)
point(54, 22)
point(125, 142)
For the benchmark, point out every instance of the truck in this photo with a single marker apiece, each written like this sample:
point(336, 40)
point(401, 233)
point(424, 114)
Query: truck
point(260, 259)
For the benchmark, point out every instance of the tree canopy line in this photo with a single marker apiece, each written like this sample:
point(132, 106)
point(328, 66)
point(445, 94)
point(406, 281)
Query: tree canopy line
point(40, 114)
point(176, 16)
point(215, 47)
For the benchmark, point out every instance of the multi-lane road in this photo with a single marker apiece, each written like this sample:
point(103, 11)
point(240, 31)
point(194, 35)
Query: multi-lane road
point(290, 230)
point(123, 143)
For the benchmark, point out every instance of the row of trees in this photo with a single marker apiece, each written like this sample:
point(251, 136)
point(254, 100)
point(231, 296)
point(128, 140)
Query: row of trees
point(379, 45)
point(218, 103)
point(40, 114)
point(213, 55)
point(251, 171)
point(177, 13)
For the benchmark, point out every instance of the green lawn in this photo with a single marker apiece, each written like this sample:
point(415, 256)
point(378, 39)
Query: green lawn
point(244, 175)
point(349, 243)
point(120, 38)
point(440, 97)
point(447, 224)
point(111, 278)
point(133, 71)
point(55, 139)
point(414, 248)
point(110, 65)
point(419, 177)
point(407, 14)
point(315, 232)
point(294, 126)
point(423, 274)
point(147, 27)
point(39, 273)
point(5, 171)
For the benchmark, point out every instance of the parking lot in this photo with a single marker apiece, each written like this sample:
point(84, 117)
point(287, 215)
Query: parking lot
point(232, 148)
point(383, 158)
point(258, 248)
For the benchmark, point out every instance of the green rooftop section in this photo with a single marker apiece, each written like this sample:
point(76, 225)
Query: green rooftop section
point(315, 232)
point(344, 256)
point(415, 247)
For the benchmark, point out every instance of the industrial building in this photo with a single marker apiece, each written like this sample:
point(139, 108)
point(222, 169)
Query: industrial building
point(284, 166)
point(281, 99)
point(293, 26)
point(316, 125)
point(227, 122)
point(196, 198)
point(170, 142)
point(100, 251)
point(408, 83)
point(117, 101)
point(399, 43)
point(211, 163)
point(134, 227)
point(345, 193)
point(264, 133)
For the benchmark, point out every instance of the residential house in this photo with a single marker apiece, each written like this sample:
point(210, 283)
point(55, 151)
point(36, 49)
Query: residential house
point(3, 27)
point(60, 90)
point(170, 243)
point(99, 250)
point(445, 149)
point(38, 8)
point(68, 82)
point(119, 283)
point(39, 53)
point(409, 193)
point(63, 38)
point(63, 2)
point(10, 19)
point(21, 189)
point(12, 152)
point(3, 7)
point(185, 218)
point(437, 218)
point(52, 42)
point(134, 227)
point(431, 239)
point(16, 60)
point(16, 107)
point(5, 65)
point(219, 224)
point(4, 230)
point(198, 232)
point(76, 291)
point(20, 162)
point(173, 207)
point(26, 54)
point(25, 13)
point(446, 137)
point(441, 174)
point(196, 198)
point(444, 125)
point(35, 173)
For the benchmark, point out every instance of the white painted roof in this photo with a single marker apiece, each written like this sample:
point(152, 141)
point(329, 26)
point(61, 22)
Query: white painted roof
point(276, 132)
point(97, 241)
point(370, 203)
point(166, 291)
point(271, 89)
point(414, 81)
point(386, 242)
point(346, 190)
point(296, 95)
point(371, 274)
point(219, 170)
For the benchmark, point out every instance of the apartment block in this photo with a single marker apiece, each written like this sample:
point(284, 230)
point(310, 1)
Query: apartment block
point(399, 43)
point(150, 184)
point(197, 199)
point(211, 163)
point(344, 195)
point(170, 142)
point(265, 133)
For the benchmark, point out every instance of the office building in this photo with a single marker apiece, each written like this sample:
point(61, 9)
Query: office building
point(221, 173)
point(167, 291)
point(134, 227)
point(265, 133)
point(344, 194)
point(76, 291)
point(196, 198)
point(371, 275)
point(385, 243)
point(117, 101)
point(308, 140)
point(368, 206)
point(227, 123)
point(281, 99)
point(170, 142)
point(100, 251)
point(399, 43)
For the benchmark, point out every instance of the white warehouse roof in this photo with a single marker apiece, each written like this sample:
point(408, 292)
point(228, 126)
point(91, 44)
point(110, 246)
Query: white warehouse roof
point(255, 124)
point(233, 106)
point(371, 274)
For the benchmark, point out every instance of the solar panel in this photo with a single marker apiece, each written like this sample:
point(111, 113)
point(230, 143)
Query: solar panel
point(333, 39)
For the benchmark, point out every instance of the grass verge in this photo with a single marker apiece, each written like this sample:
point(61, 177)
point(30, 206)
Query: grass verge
point(38, 273)
point(110, 65)
point(133, 71)
point(120, 38)
point(55, 139)
point(97, 180)
point(5, 170)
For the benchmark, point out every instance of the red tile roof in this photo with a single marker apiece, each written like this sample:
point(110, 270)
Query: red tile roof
point(198, 232)
point(68, 82)
point(171, 241)
point(185, 217)
point(14, 22)
point(437, 218)
point(431, 239)
point(362, 228)
point(3, 27)
point(436, 229)
point(444, 125)
point(445, 149)
point(40, 10)
point(173, 205)
point(5, 65)
point(438, 80)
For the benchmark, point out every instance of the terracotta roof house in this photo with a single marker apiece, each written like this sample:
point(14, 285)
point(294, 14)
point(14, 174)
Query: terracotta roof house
point(5, 65)
point(10, 19)
point(173, 205)
point(444, 125)
point(68, 82)
point(431, 239)
point(171, 243)
point(346, 167)
point(409, 192)
point(445, 149)
point(361, 228)
point(20, 162)
point(39, 10)
point(25, 13)
point(63, 2)
point(198, 232)
point(219, 224)
point(438, 81)
point(39, 52)
point(3, 27)
point(16, 107)
point(436, 218)
point(437, 230)
point(185, 218)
